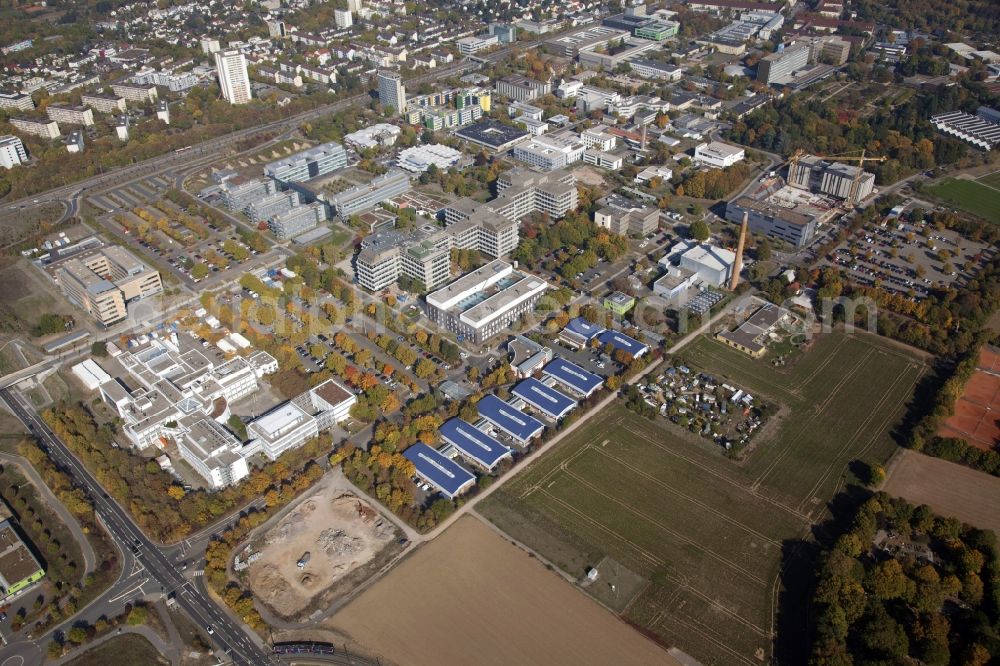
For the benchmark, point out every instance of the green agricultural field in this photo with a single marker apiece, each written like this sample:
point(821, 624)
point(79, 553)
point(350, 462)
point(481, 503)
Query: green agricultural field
point(971, 196)
point(710, 534)
point(992, 180)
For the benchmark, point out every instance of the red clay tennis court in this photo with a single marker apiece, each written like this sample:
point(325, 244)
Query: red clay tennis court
point(977, 412)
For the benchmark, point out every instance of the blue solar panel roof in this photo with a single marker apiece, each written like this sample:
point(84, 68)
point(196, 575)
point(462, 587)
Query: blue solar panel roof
point(448, 476)
point(584, 328)
point(512, 421)
point(473, 442)
point(543, 398)
point(622, 341)
point(573, 376)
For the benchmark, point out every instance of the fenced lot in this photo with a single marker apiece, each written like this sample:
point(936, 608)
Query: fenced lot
point(707, 533)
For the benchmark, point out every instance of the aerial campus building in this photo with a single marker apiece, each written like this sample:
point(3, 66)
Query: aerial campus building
point(310, 163)
point(486, 301)
point(437, 469)
point(102, 280)
point(424, 255)
point(550, 151)
point(544, 398)
point(572, 377)
point(834, 178)
point(473, 444)
point(517, 425)
point(779, 222)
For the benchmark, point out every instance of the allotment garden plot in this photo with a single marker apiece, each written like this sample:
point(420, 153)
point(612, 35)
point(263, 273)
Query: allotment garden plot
point(705, 532)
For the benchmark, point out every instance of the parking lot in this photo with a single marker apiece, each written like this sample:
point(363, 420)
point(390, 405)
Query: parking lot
point(908, 259)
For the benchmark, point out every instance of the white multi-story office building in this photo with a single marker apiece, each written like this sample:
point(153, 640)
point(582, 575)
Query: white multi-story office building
point(718, 155)
point(424, 255)
point(485, 302)
point(12, 152)
point(362, 197)
point(231, 68)
point(297, 220)
point(307, 164)
point(550, 151)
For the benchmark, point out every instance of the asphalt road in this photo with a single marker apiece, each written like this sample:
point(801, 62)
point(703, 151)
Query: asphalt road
point(158, 563)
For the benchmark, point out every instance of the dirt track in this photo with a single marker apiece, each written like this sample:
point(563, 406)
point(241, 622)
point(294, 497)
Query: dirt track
point(948, 488)
point(470, 597)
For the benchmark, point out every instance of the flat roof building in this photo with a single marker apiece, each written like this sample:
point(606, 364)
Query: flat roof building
point(474, 444)
point(623, 342)
point(493, 135)
point(518, 425)
point(12, 152)
point(485, 302)
point(774, 221)
point(104, 281)
point(368, 195)
point(543, 398)
point(573, 377)
point(423, 255)
point(718, 155)
point(307, 164)
point(19, 569)
point(448, 477)
point(550, 151)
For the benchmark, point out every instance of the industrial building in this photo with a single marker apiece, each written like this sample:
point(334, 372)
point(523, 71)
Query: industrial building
point(423, 255)
point(708, 264)
point(448, 477)
point(307, 164)
point(550, 151)
point(473, 444)
point(778, 222)
point(515, 423)
point(573, 377)
point(486, 301)
point(815, 174)
point(102, 280)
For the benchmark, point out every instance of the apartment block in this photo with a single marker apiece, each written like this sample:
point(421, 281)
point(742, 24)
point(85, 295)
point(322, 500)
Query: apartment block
point(132, 92)
point(71, 115)
point(104, 103)
point(17, 101)
point(12, 152)
point(47, 129)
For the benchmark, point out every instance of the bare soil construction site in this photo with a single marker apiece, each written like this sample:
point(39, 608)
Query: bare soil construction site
point(329, 535)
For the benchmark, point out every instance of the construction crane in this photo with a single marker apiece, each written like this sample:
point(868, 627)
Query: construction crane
point(852, 195)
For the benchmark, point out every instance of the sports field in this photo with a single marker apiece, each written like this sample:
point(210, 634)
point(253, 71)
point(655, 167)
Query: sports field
point(707, 533)
point(971, 196)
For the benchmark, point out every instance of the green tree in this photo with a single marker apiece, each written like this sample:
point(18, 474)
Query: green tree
point(699, 230)
point(199, 271)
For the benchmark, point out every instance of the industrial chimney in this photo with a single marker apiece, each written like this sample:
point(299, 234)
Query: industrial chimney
point(738, 264)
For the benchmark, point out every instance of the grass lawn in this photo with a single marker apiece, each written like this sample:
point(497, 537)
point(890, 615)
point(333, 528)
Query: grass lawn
point(993, 180)
point(970, 196)
point(124, 650)
point(709, 534)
